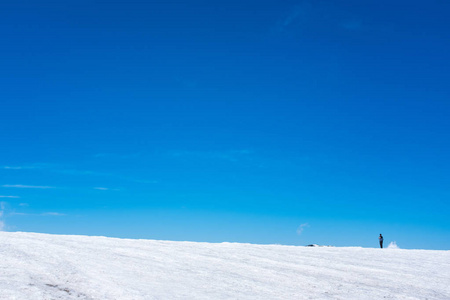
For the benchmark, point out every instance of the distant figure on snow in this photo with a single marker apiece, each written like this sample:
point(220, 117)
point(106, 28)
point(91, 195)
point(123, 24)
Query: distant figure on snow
point(380, 238)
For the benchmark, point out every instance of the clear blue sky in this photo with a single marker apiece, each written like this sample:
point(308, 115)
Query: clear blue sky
point(290, 122)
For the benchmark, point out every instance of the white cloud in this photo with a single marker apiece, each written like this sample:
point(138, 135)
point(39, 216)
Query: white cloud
point(301, 228)
point(21, 186)
point(13, 168)
point(63, 169)
point(17, 214)
point(41, 214)
point(56, 169)
point(31, 166)
point(52, 214)
point(2, 196)
point(110, 189)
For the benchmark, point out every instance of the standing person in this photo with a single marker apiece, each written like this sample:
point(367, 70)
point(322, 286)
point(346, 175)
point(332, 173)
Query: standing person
point(380, 238)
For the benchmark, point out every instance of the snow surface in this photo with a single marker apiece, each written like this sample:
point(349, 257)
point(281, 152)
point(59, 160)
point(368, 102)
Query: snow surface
point(42, 266)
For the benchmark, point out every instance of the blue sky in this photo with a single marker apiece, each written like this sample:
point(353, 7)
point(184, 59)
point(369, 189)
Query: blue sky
point(290, 122)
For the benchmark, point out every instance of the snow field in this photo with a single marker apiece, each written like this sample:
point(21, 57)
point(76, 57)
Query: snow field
point(41, 266)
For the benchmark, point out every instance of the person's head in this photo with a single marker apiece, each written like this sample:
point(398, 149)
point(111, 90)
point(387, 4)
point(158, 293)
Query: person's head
point(380, 234)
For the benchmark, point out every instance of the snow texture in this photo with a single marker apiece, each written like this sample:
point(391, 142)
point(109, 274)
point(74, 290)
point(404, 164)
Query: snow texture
point(41, 266)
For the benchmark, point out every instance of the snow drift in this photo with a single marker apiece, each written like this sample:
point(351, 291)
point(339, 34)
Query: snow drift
point(40, 266)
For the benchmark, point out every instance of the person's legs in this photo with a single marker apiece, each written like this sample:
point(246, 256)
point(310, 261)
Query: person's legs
point(381, 244)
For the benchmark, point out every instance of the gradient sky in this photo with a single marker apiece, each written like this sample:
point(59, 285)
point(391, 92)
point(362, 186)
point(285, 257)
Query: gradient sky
point(291, 122)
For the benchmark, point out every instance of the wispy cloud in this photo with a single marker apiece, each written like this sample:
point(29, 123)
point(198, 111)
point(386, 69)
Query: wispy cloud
point(21, 186)
point(11, 212)
point(301, 228)
point(2, 196)
point(299, 14)
point(81, 172)
point(52, 214)
point(62, 169)
point(107, 189)
point(65, 170)
point(318, 15)
point(12, 168)
point(117, 156)
point(299, 11)
point(14, 213)
point(30, 166)
point(41, 214)
point(232, 155)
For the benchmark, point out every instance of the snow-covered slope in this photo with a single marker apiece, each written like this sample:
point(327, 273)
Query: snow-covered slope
point(39, 266)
